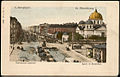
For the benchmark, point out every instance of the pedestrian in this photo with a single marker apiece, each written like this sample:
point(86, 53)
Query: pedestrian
point(18, 47)
point(22, 48)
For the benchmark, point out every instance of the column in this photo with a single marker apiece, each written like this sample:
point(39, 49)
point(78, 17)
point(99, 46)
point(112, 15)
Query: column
point(101, 56)
point(93, 52)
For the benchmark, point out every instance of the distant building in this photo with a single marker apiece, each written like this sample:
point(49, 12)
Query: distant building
point(53, 28)
point(65, 37)
point(44, 28)
point(15, 30)
point(26, 36)
point(93, 26)
point(34, 29)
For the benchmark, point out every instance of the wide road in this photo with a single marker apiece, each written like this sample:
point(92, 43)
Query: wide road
point(62, 48)
point(17, 53)
point(71, 53)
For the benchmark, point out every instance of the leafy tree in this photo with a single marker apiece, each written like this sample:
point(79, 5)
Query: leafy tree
point(70, 37)
point(76, 37)
point(59, 35)
point(98, 38)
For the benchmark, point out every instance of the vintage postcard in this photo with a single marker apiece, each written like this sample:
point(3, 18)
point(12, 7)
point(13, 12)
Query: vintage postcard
point(60, 38)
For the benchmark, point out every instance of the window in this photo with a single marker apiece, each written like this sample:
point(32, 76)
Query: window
point(102, 34)
point(97, 22)
point(101, 22)
point(94, 21)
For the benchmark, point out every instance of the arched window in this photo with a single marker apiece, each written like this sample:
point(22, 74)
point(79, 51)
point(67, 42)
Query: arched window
point(94, 21)
point(90, 26)
point(98, 22)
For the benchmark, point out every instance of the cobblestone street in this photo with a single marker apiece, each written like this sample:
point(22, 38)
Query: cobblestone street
point(71, 53)
point(15, 56)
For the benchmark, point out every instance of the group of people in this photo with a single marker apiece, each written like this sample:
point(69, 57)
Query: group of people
point(45, 55)
point(20, 48)
point(67, 48)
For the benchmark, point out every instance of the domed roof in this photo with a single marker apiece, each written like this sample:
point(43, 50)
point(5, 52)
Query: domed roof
point(95, 16)
point(82, 22)
point(89, 22)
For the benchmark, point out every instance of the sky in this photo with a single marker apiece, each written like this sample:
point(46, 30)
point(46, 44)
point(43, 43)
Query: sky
point(53, 15)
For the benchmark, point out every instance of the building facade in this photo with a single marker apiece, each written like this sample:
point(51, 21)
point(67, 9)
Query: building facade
point(97, 52)
point(34, 29)
point(44, 28)
point(53, 28)
point(93, 26)
point(65, 37)
point(15, 30)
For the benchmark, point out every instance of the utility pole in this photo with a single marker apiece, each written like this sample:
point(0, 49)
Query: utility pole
point(72, 39)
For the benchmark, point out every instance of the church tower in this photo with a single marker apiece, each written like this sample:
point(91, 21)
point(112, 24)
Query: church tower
point(96, 17)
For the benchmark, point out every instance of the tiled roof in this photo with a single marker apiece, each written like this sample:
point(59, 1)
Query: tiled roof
point(100, 46)
point(82, 22)
point(98, 26)
point(81, 27)
point(88, 22)
point(63, 26)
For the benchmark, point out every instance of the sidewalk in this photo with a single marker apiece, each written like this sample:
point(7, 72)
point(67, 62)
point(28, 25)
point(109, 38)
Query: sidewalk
point(88, 59)
point(17, 53)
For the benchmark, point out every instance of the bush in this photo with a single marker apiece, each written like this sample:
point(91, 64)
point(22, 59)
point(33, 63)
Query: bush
point(76, 36)
point(96, 37)
point(59, 35)
point(70, 37)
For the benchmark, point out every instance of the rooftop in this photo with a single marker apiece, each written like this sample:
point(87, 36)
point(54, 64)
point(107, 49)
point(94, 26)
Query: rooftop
point(103, 46)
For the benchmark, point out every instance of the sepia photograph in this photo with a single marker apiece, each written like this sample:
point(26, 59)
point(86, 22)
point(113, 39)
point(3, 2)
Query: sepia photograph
point(58, 34)
point(60, 38)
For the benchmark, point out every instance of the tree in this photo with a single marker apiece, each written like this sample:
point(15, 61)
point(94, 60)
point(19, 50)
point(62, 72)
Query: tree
point(76, 37)
point(59, 35)
point(98, 38)
point(21, 37)
point(70, 37)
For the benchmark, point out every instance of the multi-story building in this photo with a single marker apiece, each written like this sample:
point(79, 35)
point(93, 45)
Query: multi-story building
point(15, 30)
point(53, 28)
point(93, 26)
point(34, 29)
point(44, 28)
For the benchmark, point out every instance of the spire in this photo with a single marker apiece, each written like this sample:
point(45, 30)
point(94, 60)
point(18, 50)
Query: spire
point(95, 10)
